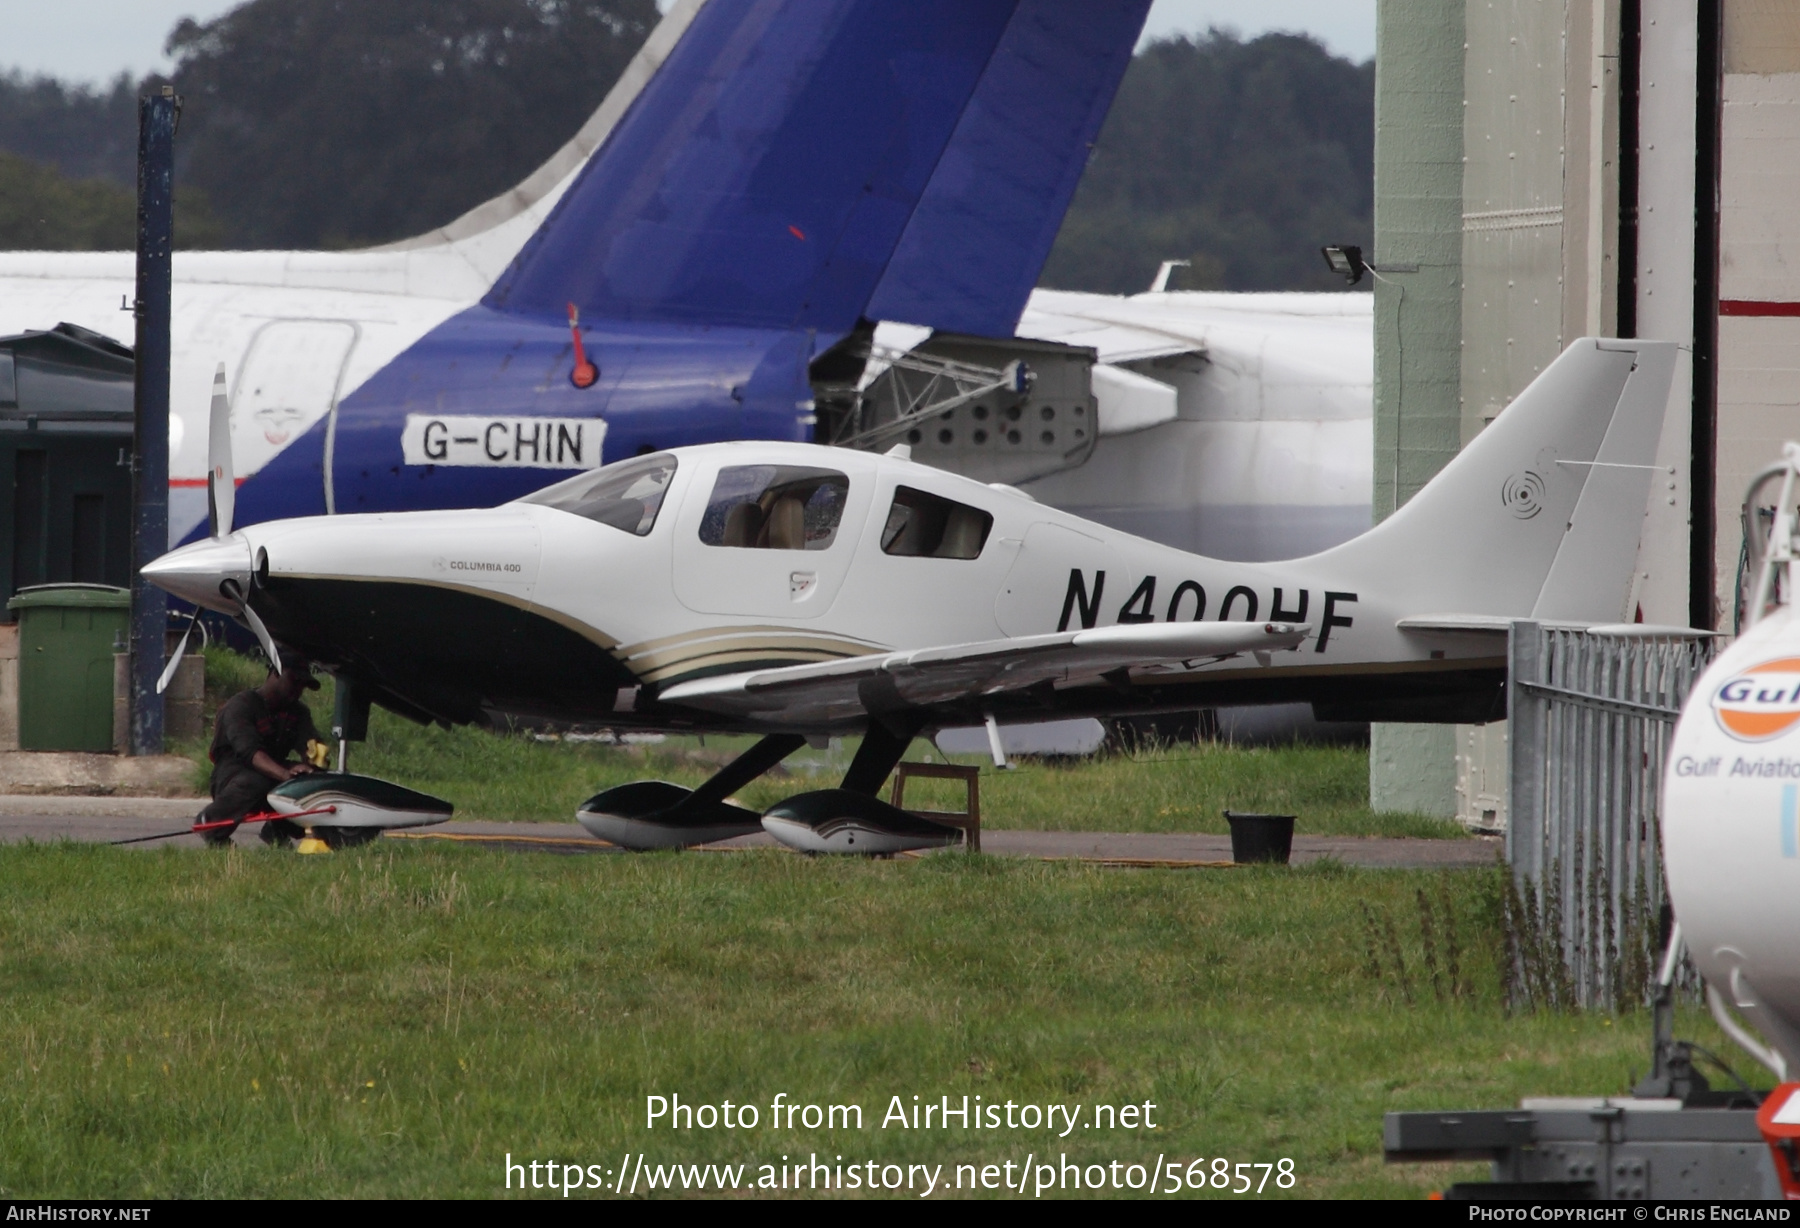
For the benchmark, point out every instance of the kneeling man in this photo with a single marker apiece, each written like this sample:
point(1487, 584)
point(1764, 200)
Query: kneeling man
point(253, 737)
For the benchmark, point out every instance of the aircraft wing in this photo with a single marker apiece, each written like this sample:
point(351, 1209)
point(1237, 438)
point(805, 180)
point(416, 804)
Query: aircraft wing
point(1101, 321)
point(836, 691)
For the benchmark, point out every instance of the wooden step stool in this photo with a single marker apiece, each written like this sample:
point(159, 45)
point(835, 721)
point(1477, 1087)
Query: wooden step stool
point(968, 819)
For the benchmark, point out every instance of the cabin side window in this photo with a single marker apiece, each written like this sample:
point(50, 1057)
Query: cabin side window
point(775, 507)
point(924, 525)
point(626, 494)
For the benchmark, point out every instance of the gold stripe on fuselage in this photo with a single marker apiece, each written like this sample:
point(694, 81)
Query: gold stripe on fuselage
point(778, 644)
point(765, 658)
point(628, 651)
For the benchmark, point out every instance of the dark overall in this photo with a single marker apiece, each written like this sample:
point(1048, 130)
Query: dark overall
point(247, 724)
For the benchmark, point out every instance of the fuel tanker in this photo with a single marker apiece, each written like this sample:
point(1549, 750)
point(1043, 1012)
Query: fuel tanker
point(1731, 848)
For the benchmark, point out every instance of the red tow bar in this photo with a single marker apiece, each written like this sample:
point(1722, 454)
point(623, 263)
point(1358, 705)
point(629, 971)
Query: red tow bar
point(200, 829)
point(266, 817)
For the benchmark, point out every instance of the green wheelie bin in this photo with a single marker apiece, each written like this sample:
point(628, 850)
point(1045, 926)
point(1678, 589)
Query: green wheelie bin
point(67, 637)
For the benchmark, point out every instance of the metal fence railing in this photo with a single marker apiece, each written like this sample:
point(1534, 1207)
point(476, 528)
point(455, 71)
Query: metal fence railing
point(1590, 716)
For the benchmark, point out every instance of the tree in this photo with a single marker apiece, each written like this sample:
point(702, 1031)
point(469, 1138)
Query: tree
point(43, 210)
point(339, 123)
point(1243, 157)
point(84, 132)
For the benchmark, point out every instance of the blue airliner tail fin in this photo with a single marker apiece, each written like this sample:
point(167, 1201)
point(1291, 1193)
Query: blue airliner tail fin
point(979, 238)
point(806, 163)
point(763, 176)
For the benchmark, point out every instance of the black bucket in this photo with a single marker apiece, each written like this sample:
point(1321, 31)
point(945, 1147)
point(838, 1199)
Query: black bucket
point(1261, 837)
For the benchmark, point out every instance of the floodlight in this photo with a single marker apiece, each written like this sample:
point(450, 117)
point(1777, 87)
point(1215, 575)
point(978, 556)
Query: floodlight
point(1346, 261)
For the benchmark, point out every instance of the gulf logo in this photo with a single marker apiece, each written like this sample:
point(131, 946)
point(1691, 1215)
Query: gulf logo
point(1761, 702)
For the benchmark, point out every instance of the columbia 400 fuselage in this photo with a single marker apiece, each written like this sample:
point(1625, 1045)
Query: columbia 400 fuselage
point(615, 596)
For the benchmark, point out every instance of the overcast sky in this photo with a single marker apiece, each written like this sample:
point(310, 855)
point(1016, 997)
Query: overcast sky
point(94, 40)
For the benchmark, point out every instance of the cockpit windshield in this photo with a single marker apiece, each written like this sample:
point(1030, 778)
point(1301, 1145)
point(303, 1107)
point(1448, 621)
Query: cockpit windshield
point(626, 494)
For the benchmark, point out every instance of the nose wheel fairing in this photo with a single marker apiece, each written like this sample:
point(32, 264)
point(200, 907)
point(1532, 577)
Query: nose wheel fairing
point(343, 800)
point(452, 654)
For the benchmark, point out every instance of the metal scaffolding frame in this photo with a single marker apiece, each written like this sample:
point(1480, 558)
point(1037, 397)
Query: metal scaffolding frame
point(914, 387)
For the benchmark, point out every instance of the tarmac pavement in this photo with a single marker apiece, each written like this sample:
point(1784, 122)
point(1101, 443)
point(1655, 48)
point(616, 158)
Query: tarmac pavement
point(107, 819)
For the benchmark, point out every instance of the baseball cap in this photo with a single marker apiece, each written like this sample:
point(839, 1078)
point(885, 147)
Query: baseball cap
point(294, 663)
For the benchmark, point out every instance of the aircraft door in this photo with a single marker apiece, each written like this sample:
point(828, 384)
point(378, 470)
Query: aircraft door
point(291, 377)
point(773, 541)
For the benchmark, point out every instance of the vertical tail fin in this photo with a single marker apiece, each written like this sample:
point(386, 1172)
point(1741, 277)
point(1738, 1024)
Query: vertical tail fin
point(979, 238)
point(787, 150)
point(469, 253)
point(764, 174)
point(1540, 514)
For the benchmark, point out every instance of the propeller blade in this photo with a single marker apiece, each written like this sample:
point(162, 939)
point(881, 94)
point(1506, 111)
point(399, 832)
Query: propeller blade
point(168, 674)
point(231, 590)
point(262, 636)
point(221, 482)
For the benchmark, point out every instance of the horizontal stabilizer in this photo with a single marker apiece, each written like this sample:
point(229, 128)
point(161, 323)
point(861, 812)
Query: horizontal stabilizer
point(1457, 624)
point(1496, 624)
point(836, 691)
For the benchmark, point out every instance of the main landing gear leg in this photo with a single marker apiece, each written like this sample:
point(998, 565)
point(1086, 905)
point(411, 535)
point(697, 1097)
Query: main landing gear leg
point(744, 769)
point(881, 749)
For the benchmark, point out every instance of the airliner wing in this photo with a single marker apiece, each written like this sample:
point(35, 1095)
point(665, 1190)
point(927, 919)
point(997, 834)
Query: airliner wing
point(931, 677)
point(1060, 316)
point(1331, 330)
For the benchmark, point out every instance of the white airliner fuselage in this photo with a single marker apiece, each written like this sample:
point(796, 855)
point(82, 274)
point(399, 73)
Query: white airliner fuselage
point(1263, 451)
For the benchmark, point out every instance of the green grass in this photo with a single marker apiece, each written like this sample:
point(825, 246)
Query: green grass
point(1167, 789)
point(1188, 788)
point(394, 1020)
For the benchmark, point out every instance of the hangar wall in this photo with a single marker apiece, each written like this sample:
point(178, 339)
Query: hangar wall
point(1576, 217)
point(1540, 228)
point(1418, 311)
point(1418, 207)
point(1630, 167)
point(1759, 262)
point(1672, 565)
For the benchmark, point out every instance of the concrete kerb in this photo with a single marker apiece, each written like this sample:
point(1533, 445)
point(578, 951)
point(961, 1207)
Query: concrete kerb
point(64, 806)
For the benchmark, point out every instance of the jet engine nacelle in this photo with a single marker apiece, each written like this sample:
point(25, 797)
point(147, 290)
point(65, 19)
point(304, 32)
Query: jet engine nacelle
point(1729, 838)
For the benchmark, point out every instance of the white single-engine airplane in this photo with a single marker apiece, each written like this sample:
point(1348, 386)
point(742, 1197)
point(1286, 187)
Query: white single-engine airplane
point(796, 590)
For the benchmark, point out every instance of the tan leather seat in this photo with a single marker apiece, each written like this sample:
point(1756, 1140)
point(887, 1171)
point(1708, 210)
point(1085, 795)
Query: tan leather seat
point(962, 535)
point(787, 524)
point(743, 522)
